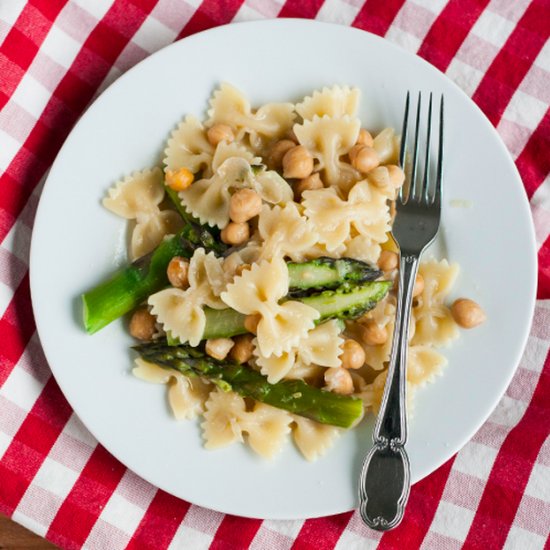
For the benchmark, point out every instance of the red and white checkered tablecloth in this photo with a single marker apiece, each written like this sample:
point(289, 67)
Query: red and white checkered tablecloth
point(55, 57)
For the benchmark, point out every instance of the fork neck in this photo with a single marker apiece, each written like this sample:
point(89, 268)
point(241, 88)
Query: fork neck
point(389, 425)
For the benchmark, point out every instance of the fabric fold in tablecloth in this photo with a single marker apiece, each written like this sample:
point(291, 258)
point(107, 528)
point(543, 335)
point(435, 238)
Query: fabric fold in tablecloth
point(55, 57)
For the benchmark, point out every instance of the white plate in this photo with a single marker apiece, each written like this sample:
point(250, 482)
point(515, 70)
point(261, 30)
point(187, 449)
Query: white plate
point(76, 243)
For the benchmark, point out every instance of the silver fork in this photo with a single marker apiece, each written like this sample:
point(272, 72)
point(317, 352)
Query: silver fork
point(384, 484)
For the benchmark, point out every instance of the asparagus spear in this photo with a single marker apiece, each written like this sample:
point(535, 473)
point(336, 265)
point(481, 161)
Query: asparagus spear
point(328, 273)
point(130, 286)
point(294, 396)
point(346, 302)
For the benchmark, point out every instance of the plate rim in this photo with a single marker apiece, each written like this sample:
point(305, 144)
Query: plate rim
point(453, 449)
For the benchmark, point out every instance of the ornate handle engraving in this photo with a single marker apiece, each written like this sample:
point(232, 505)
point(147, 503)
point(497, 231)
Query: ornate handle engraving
point(384, 484)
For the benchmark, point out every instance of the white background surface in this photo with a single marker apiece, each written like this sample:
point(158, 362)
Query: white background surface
point(76, 243)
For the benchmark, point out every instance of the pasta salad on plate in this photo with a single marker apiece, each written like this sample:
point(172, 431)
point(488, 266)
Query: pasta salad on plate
point(262, 274)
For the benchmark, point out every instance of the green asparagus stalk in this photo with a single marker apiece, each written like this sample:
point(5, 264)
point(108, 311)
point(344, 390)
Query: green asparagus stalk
point(346, 302)
point(294, 396)
point(328, 273)
point(130, 286)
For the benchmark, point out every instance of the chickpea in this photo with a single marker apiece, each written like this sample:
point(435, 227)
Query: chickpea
point(365, 159)
point(467, 313)
point(297, 163)
point(353, 355)
point(235, 233)
point(179, 180)
point(241, 352)
point(365, 138)
point(244, 205)
point(177, 272)
point(142, 324)
point(373, 334)
point(388, 260)
point(251, 322)
point(338, 380)
point(307, 184)
point(380, 177)
point(352, 153)
point(220, 132)
point(278, 151)
point(397, 176)
point(218, 348)
point(418, 287)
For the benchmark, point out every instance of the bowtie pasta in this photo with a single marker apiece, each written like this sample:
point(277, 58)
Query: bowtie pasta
point(262, 283)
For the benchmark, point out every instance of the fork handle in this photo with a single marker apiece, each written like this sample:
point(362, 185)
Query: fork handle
point(384, 484)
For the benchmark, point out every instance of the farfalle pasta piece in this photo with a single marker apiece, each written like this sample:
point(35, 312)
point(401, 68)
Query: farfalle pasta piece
point(424, 365)
point(271, 187)
point(362, 247)
point(208, 199)
point(376, 356)
point(139, 193)
point(434, 323)
point(226, 151)
point(275, 368)
point(384, 311)
point(226, 420)
point(148, 234)
point(332, 218)
point(333, 102)
point(285, 232)
point(206, 276)
point(378, 224)
point(321, 346)
point(138, 197)
point(258, 290)
point(372, 395)
point(188, 147)
point(180, 312)
point(313, 439)
point(267, 429)
point(223, 418)
point(328, 139)
point(230, 106)
point(318, 250)
point(186, 396)
point(247, 255)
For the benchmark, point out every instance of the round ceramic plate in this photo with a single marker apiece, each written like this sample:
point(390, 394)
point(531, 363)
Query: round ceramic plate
point(486, 228)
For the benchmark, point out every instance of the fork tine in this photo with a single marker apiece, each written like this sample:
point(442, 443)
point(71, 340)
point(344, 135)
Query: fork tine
point(425, 192)
point(403, 148)
point(412, 185)
point(439, 173)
